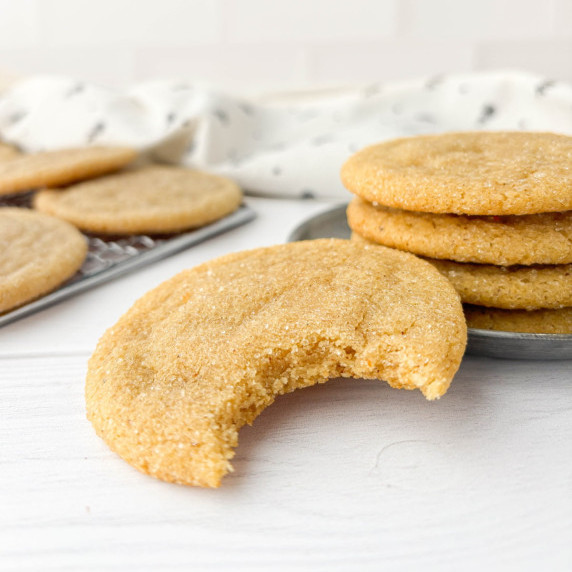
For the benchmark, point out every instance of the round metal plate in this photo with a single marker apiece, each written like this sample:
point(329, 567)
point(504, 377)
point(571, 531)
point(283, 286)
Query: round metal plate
point(509, 345)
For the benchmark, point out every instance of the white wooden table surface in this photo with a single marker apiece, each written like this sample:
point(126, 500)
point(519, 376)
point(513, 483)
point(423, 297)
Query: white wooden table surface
point(350, 475)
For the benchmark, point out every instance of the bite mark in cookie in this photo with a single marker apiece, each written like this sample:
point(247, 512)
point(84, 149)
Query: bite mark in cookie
point(170, 385)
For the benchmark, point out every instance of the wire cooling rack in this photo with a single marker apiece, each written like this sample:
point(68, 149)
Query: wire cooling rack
point(112, 256)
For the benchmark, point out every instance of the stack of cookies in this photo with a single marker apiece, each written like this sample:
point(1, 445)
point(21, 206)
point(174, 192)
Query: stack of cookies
point(492, 211)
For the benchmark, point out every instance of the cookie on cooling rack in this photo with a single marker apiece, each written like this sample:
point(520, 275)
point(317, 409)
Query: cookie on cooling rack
point(38, 252)
point(24, 172)
point(154, 199)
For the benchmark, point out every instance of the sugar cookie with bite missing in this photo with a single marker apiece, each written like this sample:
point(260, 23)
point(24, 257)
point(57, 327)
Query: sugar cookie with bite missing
point(169, 386)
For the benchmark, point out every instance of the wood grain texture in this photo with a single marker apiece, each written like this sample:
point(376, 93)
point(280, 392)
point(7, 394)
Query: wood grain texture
point(349, 475)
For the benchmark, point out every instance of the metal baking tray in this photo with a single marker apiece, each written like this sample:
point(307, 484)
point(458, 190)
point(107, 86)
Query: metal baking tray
point(110, 257)
point(491, 343)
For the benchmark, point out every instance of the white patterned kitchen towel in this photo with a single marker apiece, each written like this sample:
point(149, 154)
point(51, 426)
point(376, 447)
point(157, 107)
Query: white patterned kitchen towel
point(280, 146)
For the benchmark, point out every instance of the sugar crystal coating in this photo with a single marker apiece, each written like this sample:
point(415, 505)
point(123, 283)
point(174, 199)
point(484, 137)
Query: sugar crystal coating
point(475, 173)
point(509, 287)
point(503, 240)
point(169, 385)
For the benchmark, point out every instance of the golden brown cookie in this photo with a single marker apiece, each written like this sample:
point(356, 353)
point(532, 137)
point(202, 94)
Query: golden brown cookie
point(155, 199)
point(502, 240)
point(534, 322)
point(474, 173)
point(37, 253)
point(57, 168)
point(8, 152)
point(195, 359)
point(510, 287)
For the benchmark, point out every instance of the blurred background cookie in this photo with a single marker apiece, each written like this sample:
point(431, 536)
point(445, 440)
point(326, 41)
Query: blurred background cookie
point(38, 252)
point(153, 199)
point(24, 172)
point(8, 152)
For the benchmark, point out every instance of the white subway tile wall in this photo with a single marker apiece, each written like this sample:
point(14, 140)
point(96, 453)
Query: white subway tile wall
point(126, 24)
point(18, 23)
point(276, 44)
point(481, 20)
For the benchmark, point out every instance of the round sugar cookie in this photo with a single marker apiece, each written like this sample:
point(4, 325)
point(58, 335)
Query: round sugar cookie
point(55, 168)
point(510, 287)
point(501, 240)
point(475, 173)
point(37, 253)
point(154, 199)
point(533, 322)
point(169, 386)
